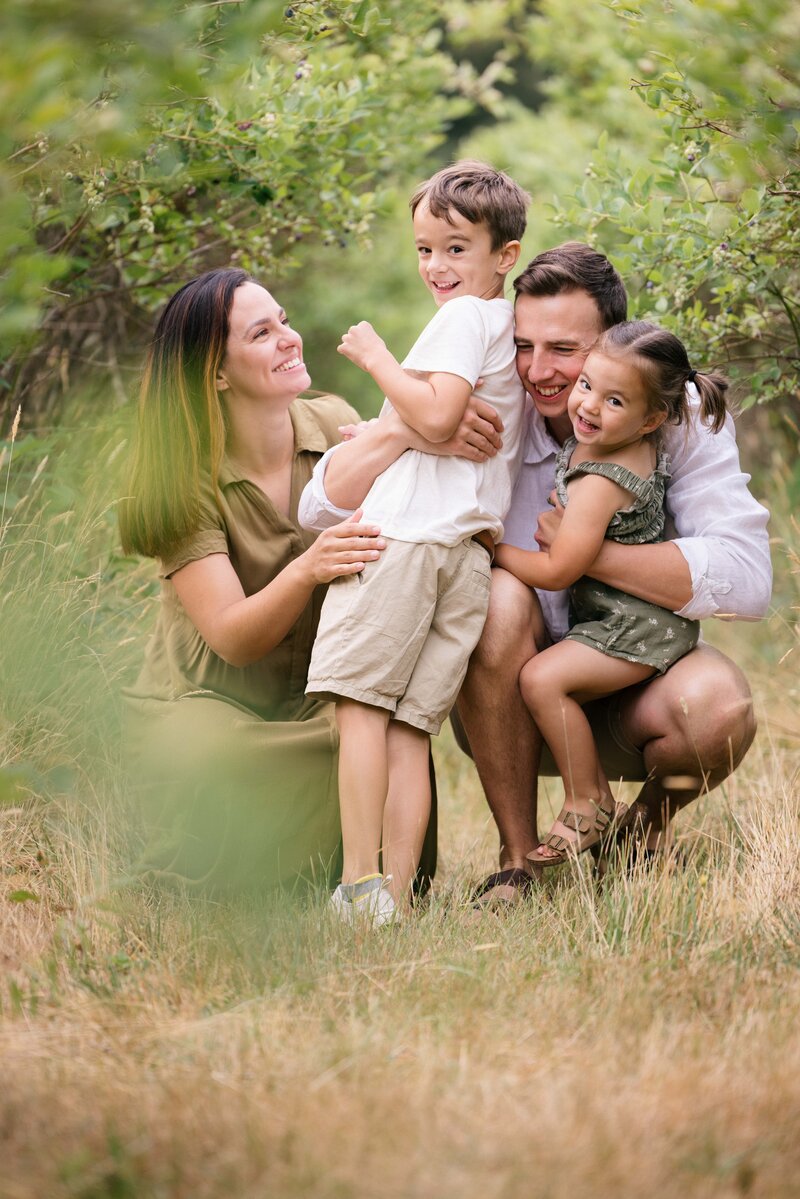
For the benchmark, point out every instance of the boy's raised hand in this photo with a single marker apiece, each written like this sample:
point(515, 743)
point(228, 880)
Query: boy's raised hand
point(362, 345)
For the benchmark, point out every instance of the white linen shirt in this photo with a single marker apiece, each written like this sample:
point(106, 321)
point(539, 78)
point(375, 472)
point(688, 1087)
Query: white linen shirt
point(718, 526)
point(439, 499)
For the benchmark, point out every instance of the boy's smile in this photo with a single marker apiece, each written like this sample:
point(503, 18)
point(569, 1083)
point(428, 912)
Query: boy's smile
point(456, 256)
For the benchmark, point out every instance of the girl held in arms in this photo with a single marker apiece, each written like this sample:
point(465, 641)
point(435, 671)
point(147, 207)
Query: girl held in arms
point(610, 479)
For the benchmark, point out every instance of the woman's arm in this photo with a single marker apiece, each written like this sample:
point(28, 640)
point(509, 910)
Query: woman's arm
point(241, 629)
point(593, 500)
point(433, 406)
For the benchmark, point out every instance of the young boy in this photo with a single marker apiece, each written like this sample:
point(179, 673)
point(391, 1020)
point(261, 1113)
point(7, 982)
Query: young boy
point(394, 640)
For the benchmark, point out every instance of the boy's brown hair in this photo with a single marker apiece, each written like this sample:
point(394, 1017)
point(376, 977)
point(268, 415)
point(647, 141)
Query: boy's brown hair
point(479, 193)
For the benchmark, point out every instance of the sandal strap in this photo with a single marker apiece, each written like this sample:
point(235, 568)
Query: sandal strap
point(575, 820)
point(557, 842)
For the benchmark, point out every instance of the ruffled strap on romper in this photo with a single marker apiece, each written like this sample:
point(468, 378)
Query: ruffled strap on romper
point(638, 524)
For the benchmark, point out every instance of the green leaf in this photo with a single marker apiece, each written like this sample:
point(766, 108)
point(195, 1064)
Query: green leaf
point(23, 896)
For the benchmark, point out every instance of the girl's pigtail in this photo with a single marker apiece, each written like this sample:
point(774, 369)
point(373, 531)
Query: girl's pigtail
point(711, 389)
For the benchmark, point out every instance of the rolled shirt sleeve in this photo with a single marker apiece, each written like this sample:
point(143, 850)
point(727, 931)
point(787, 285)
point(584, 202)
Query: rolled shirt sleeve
point(718, 526)
point(315, 510)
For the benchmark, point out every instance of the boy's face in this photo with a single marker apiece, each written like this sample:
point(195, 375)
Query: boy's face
point(456, 257)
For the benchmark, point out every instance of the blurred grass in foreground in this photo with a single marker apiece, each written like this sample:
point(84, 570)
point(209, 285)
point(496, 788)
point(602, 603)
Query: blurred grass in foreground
point(641, 1039)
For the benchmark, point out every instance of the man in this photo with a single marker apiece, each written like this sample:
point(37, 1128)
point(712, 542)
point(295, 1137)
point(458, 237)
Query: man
point(681, 733)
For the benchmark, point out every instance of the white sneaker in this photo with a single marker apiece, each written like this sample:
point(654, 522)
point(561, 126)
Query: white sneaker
point(366, 900)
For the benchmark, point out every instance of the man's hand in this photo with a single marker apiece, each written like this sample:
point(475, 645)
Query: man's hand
point(476, 438)
point(549, 522)
point(362, 345)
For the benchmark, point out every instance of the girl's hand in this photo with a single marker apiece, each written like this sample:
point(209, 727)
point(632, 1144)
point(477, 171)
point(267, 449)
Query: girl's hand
point(344, 549)
point(549, 523)
point(361, 344)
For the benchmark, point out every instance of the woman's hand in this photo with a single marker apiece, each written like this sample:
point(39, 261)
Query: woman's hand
point(344, 549)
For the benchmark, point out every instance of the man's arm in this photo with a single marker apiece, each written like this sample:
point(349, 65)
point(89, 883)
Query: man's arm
point(718, 563)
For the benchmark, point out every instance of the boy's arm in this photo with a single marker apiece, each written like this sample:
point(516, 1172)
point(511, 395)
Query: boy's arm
point(593, 500)
point(345, 474)
point(433, 406)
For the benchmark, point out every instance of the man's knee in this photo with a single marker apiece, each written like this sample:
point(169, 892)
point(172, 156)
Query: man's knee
point(513, 626)
point(704, 702)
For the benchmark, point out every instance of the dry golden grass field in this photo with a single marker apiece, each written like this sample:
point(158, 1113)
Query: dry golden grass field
point(638, 1039)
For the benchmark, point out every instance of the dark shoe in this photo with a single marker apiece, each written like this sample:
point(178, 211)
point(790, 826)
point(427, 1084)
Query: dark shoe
point(518, 881)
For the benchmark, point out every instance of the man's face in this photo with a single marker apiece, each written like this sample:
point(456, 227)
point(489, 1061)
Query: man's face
point(553, 335)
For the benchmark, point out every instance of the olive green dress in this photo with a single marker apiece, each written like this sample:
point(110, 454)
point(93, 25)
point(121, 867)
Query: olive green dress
point(237, 766)
point(609, 620)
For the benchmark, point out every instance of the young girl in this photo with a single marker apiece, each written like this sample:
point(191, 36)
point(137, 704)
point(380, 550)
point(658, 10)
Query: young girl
point(610, 478)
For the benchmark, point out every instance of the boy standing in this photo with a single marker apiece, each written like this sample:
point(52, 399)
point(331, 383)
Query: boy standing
point(394, 640)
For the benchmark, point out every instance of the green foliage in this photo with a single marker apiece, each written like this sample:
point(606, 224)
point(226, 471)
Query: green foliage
point(146, 144)
point(705, 228)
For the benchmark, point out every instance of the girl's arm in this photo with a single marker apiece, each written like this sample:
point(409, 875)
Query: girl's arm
point(593, 500)
point(241, 629)
point(433, 406)
point(657, 573)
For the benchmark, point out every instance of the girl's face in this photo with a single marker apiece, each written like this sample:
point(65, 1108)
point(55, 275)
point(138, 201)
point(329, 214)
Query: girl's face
point(264, 356)
point(608, 405)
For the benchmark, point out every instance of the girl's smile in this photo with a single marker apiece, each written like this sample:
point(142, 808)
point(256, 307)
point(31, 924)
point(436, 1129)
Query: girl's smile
point(608, 406)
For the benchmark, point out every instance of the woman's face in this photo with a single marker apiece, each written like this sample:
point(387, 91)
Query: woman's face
point(264, 356)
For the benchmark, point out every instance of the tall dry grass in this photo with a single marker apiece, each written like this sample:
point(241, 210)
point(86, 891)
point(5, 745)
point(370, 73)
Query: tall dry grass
point(641, 1038)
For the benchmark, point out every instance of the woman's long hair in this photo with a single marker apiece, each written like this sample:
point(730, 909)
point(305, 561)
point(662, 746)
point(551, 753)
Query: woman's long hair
point(181, 426)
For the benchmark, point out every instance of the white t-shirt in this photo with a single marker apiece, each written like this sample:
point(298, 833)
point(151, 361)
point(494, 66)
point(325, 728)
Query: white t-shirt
point(442, 500)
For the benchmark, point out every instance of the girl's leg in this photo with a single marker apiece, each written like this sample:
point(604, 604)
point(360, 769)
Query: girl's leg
point(408, 805)
point(363, 783)
point(555, 684)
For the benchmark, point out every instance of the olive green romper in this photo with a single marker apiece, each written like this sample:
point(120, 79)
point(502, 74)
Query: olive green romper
point(609, 620)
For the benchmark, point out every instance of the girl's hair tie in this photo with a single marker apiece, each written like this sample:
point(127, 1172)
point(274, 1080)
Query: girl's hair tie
point(690, 378)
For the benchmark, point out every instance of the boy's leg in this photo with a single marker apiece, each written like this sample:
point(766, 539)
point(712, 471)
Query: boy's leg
point(555, 684)
point(363, 784)
point(408, 805)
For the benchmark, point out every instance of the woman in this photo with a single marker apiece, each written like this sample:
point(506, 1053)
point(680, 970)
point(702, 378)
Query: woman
point(237, 765)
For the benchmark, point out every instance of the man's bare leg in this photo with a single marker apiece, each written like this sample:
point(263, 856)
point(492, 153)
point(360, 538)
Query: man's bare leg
point(504, 741)
point(693, 726)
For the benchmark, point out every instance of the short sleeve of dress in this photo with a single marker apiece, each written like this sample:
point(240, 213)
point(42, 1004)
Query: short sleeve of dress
point(209, 538)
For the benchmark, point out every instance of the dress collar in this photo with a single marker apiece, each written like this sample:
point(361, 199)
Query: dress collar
point(307, 436)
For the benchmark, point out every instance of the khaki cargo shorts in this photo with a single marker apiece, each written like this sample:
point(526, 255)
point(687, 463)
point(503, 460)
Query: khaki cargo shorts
point(399, 634)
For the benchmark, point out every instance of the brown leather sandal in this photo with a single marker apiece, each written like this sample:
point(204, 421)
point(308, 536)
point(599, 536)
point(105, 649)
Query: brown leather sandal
point(608, 817)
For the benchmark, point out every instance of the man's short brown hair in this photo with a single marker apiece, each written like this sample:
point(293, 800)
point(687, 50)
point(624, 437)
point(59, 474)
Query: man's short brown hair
point(574, 266)
point(479, 193)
